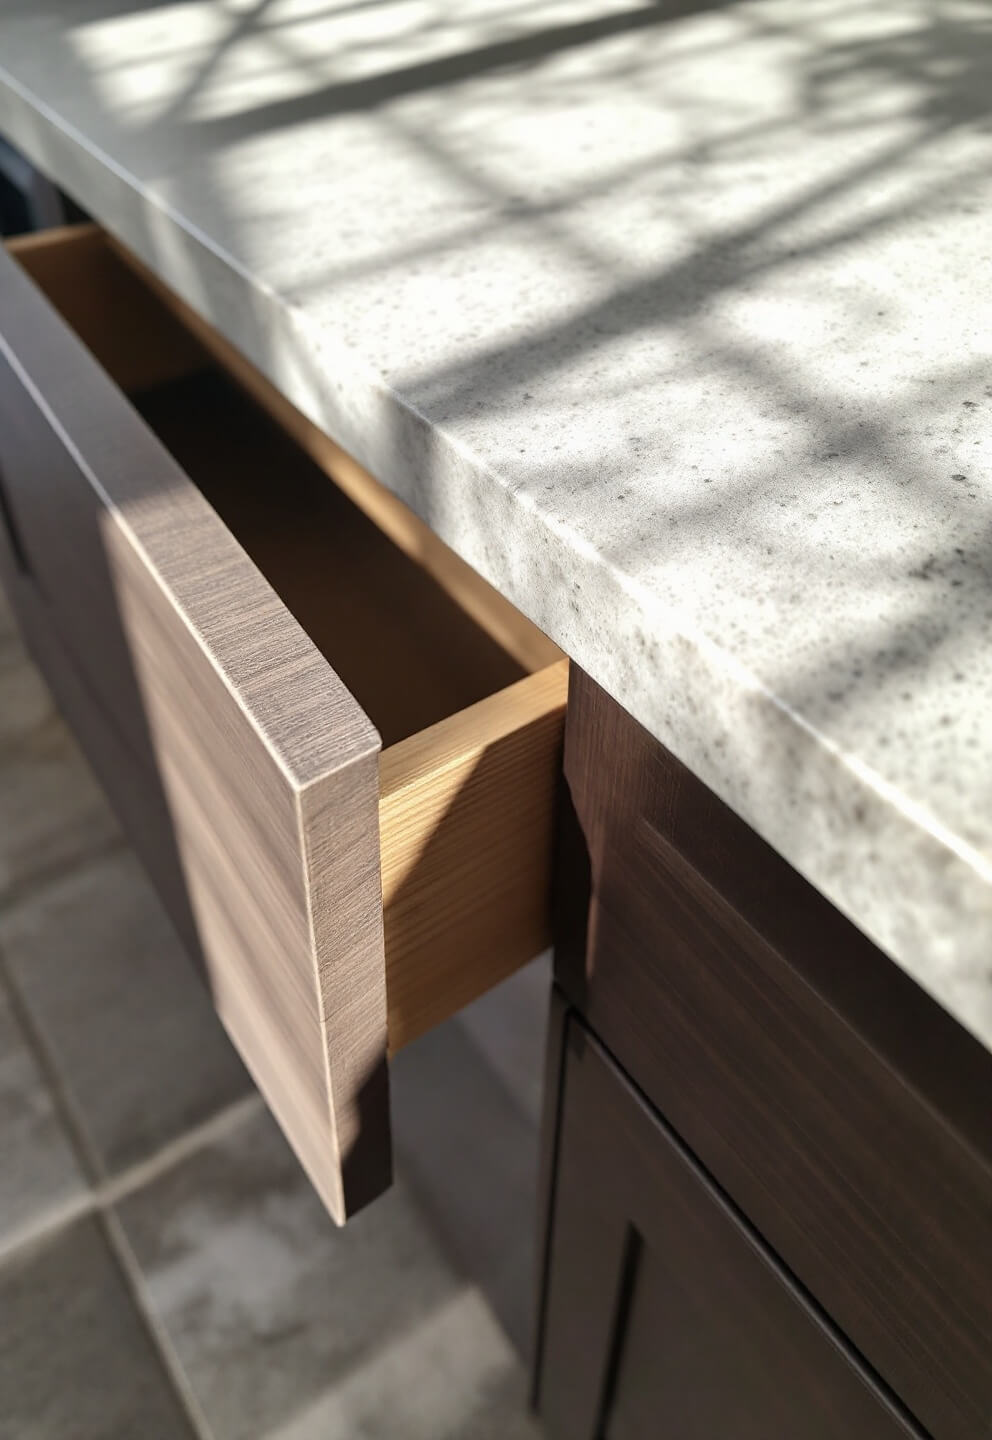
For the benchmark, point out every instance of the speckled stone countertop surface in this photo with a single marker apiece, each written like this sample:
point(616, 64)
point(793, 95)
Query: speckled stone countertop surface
point(674, 319)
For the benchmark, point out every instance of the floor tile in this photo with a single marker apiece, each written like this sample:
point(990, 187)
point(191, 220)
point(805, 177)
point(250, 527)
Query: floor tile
point(26, 703)
point(290, 1329)
point(39, 1175)
point(124, 1017)
point(448, 1377)
point(75, 1359)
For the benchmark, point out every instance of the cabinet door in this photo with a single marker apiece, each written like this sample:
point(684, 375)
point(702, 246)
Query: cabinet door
point(843, 1112)
point(664, 1314)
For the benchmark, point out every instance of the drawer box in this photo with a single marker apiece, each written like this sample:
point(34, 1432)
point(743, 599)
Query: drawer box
point(334, 746)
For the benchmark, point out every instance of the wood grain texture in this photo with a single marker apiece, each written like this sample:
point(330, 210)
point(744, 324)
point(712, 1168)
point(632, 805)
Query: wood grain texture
point(467, 793)
point(479, 600)
point(188, 603)
point(465, 817)
point(841, 1109)
point(268, 764)
point(666, 1315)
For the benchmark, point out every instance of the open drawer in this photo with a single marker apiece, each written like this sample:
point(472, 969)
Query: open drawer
point(236, 619)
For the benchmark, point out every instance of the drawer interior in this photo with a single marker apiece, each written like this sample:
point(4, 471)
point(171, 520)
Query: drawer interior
point(404, 648)
point(467, 695)
point(404, 645)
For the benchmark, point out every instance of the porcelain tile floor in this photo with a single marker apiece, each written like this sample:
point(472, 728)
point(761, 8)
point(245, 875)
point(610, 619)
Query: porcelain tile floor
point(166, 1272)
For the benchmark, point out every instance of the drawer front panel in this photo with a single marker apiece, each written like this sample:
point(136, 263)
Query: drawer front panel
point(844, 1113)
point(664, 1314)
point(268, 767)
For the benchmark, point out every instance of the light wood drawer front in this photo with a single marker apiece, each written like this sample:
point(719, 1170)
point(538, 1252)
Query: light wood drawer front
point(214, 610)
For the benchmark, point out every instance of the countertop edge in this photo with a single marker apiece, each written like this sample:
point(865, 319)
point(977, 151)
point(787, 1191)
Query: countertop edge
point(843, 833)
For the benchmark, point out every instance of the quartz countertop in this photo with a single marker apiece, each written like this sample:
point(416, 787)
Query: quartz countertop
point(673, 319)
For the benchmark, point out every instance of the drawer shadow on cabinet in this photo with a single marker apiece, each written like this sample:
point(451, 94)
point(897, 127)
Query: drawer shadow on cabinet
point(235, 638)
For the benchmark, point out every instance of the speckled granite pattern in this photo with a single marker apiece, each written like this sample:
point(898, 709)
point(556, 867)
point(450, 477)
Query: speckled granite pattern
point(671, 318)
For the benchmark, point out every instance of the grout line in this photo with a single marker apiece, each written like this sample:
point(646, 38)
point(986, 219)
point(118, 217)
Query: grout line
point(223, 1122)
point(24, 1019)
point(106, 1191)
point(158, 1335)
point(46, 1226)
point(59, 870)
point(101, 1197)
point(110, 1190)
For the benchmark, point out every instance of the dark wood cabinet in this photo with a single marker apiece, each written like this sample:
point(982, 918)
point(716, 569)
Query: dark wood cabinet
point(842, 1113)
point(665, 1314)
